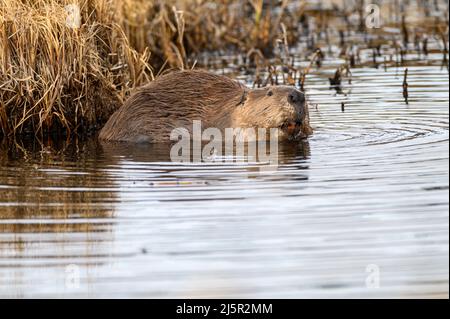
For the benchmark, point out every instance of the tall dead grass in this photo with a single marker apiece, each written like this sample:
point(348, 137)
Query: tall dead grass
point(54, 77)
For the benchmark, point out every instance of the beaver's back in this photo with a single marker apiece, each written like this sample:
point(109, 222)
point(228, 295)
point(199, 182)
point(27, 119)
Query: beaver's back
point(171, 101)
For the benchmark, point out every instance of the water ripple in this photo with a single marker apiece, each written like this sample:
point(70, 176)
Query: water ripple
point(370, 188)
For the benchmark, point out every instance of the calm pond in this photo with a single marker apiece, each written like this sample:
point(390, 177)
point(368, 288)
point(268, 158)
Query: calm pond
point(358, 210)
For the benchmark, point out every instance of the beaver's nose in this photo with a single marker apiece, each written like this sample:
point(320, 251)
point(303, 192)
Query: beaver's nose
point(296, 97)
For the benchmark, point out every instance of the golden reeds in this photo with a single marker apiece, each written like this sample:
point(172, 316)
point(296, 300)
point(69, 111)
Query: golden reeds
point(56, 76)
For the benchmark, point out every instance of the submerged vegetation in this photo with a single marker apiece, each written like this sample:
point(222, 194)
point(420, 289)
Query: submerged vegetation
point(58, 77)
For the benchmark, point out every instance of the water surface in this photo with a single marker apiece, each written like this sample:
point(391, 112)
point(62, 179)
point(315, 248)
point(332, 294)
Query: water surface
point(366, 196)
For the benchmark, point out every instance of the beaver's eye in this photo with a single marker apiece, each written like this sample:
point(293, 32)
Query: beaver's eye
point(270, 93)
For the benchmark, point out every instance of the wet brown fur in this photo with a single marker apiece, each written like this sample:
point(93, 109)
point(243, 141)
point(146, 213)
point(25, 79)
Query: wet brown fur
point(175, 100)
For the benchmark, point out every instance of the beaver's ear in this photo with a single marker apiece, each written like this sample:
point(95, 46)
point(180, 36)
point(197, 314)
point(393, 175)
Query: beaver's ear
point(243, 98)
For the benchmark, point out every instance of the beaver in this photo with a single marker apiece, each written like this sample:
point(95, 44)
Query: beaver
point(176, 99)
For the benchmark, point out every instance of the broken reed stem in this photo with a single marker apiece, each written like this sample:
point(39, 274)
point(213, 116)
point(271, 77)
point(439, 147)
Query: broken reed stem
point(444, 39)
point(305, 72)
point(405, 86)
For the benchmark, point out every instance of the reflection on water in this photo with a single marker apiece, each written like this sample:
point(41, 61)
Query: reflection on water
point(367, 195)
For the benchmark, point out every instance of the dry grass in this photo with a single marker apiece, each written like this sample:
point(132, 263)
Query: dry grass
point(53, 77)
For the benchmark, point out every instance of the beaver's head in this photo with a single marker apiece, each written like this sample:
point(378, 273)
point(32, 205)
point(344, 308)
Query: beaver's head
point(281, 107)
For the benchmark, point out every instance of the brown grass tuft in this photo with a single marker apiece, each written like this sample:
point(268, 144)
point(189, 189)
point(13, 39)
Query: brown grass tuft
point(54, 77)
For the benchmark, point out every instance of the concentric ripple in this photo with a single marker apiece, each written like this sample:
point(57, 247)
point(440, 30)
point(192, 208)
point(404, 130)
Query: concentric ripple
point(366, 196)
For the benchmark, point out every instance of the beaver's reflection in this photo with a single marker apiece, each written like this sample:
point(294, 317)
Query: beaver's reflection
point(116, 152)
point(71, 182)
point(203, 168)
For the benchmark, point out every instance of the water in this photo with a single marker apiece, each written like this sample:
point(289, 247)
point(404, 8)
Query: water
point(359, 210)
